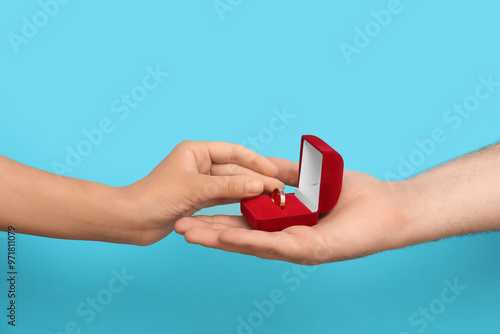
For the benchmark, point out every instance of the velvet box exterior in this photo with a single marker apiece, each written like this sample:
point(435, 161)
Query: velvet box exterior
point(320, 183)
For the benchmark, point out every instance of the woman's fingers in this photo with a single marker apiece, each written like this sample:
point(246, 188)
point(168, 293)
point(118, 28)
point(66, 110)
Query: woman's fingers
point(270, 183)
point(224, 153)
point(288, 170)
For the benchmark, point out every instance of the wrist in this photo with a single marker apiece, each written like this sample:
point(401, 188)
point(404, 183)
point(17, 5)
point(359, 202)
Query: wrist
point(118, 221)
point(422, 215)
point(137, 213)
point(125, 208)
point(89, 211)
point(143, 217)
point(401, 214)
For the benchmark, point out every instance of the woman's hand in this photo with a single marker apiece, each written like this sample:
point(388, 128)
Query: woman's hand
point(193, 176)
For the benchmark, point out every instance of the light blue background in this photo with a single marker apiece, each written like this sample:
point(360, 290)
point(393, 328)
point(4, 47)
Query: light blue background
point(225, 79)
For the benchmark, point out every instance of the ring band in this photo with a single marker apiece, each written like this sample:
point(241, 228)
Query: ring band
point(278, 198)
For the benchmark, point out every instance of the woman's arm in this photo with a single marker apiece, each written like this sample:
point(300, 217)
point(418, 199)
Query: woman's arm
point(40, 203)
point(194, 175)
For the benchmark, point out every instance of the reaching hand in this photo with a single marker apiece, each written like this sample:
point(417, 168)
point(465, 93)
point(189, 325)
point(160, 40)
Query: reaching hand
point(197, 175)
point(367, 219)
point(194, 175)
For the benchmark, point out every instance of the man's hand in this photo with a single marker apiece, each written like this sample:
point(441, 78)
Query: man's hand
point(371, 216)
point(367, 219)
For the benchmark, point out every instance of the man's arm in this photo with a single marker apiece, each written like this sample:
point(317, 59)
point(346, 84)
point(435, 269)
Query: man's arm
point(460, 197)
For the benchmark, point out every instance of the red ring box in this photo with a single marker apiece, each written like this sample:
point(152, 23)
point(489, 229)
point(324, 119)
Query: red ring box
point(320, 182)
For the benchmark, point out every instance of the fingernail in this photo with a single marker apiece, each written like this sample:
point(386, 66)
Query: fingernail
point(254, 187)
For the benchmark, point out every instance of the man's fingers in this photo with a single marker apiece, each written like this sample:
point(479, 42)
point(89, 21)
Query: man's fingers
point(234, 234)
point(280, 243)
point(217, 222)
point(231, 221)
point(207, 234)
point(270, 183)
point(202, 235)
point(298, 244)
point(209, 237)
point(288, 171)
point(184, 224)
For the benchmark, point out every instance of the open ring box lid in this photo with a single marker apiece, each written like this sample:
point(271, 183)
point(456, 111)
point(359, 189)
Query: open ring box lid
point(320, 182)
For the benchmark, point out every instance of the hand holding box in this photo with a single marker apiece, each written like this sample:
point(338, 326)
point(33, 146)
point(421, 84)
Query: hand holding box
point(319, 186)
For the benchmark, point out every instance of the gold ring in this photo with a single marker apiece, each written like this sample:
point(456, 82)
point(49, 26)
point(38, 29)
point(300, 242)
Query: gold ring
point(278, 198)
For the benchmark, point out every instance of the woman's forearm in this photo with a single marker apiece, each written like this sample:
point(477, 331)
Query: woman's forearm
point(45, 204)
point(194, 175)
point(460, 197)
